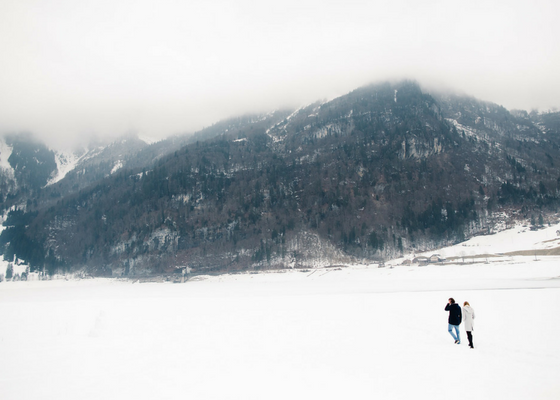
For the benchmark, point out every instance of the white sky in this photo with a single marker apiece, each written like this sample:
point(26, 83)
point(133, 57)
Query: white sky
point(73, 68)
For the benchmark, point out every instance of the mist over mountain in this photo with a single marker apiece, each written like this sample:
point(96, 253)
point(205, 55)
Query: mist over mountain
point(386, 169)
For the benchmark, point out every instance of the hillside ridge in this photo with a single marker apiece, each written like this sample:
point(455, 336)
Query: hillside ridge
point(386, 169)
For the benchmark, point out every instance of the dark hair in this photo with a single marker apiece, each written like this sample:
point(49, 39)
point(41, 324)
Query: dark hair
point(452, 300)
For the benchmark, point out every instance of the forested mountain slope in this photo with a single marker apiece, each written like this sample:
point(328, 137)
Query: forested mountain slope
point(385, 169)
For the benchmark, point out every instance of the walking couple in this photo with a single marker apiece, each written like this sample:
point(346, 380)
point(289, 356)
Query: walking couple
point(456, 317)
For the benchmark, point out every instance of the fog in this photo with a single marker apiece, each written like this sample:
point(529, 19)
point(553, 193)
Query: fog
point(71, 69)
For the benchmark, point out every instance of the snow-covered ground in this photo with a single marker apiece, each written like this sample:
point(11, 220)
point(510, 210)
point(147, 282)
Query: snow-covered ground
point(519, 238)
point(359, 332)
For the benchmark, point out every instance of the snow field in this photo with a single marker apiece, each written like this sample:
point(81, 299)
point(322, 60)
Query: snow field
point(355, 333)
point(514, 239)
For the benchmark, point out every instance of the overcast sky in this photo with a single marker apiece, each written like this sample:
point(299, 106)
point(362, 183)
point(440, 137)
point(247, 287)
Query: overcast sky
point(71, 68)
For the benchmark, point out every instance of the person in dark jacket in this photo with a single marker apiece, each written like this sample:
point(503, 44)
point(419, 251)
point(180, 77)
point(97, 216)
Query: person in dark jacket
point(455, 317)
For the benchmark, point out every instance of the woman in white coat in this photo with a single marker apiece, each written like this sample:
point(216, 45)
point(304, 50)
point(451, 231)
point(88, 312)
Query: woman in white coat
point(468, 317)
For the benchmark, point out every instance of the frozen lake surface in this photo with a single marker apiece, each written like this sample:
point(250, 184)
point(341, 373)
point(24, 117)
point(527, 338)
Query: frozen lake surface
point(354, 333)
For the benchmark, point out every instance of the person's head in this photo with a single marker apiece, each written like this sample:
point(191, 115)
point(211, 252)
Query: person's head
point(451, 300)
point(466, 303)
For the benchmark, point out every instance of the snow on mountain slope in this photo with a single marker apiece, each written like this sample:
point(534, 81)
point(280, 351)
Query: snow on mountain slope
point(65, 162)
point(148, 140)
point(118, 165)
point(516, 239)
point(5, 152)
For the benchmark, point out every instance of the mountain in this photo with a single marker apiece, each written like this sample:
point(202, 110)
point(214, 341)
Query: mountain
point(34, 170)
point(54, 173)
point(25, 166)
point(384, 169)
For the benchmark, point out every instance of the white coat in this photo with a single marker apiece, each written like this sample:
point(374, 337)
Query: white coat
point(468, 317)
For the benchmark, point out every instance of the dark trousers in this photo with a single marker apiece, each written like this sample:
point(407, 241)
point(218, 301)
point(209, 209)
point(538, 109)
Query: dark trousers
point(469, 335)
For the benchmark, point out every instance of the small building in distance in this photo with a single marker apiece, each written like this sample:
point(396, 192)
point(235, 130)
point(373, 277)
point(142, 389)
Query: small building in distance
point(436, 258)
point(421, 260)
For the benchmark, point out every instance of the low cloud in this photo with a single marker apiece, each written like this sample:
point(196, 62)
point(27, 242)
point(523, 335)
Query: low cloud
point(71, 70)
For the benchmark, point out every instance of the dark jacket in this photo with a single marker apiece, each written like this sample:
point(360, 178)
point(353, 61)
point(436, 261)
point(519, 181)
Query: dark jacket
point(455, 315)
